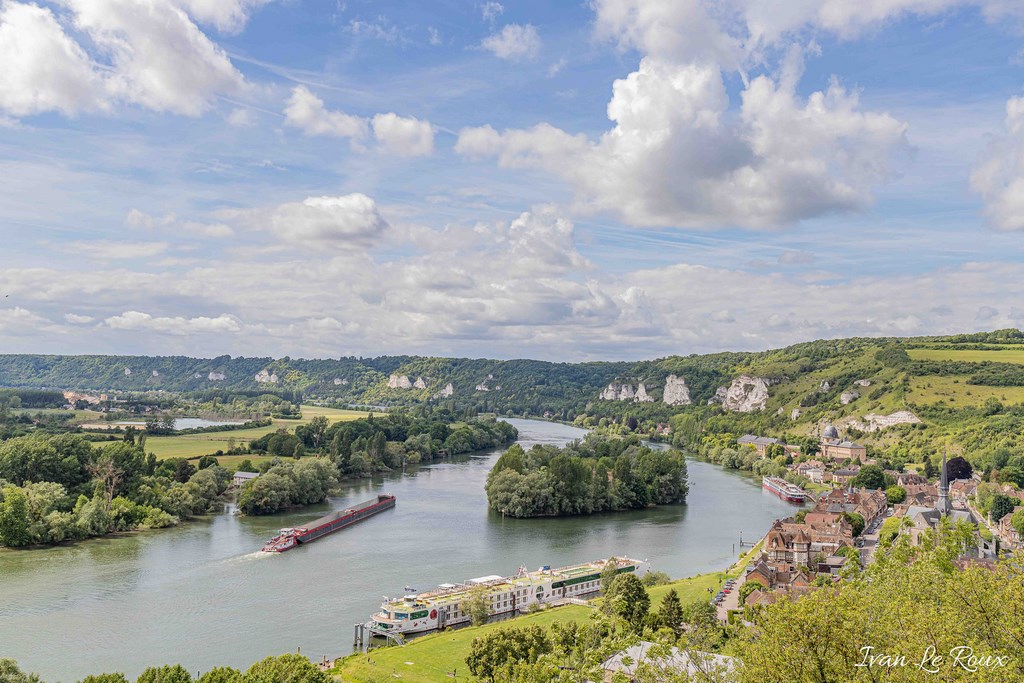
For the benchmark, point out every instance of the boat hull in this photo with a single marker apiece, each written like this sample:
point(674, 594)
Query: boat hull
point(784, 490)
point(329, 524)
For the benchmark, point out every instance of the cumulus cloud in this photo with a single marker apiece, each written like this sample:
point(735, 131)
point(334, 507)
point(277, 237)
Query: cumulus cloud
point(515, 42)
point(43, 69)
point(21, 322)
point(404, 136)
point(351, 220)
point(76, 319)
point(307, 112)
point(104, 250)
point(675, 156)
point(228, 16)
point(135, 320)
point(999, 177)
point(143, 52)
point(491, 11)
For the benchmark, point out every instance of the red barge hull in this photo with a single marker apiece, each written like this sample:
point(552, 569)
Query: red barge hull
point(784, 490)
point(290, 538)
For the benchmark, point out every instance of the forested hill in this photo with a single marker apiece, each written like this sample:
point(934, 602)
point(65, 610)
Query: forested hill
point(833, 379)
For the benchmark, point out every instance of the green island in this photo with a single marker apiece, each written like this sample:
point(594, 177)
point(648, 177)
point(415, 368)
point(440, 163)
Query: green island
point(595, 474)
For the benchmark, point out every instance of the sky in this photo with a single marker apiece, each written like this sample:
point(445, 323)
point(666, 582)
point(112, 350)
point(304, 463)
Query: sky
point(602, 180)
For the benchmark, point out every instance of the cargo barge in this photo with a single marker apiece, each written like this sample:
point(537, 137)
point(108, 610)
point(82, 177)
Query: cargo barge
point(783, 489)
point(290, 538)
point(448, 604)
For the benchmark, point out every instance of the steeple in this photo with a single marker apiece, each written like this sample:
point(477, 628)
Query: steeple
point(943, 505)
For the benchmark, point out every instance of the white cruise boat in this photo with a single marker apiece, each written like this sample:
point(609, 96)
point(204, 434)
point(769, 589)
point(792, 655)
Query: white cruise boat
point(447, 605)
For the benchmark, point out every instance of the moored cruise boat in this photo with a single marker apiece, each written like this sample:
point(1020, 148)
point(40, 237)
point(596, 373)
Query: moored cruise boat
point(447, 605)
point(784, 490)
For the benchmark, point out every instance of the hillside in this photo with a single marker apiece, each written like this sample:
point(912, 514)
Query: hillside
point(963, 392)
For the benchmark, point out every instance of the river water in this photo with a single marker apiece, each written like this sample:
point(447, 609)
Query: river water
point(203, 595)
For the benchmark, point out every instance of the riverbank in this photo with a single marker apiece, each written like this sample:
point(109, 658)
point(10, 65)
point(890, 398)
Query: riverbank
point(433, 657)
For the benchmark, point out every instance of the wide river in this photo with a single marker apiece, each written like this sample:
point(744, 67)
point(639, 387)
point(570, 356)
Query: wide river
point(203, 595)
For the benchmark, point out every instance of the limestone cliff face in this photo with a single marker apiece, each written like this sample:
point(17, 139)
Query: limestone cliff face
point(127, 372)
point(625, 392)
point(155, 373)
point(419, 383)
point(399, 382)
point(642, 396)
point(447, 391)
point(873, 422)
point(264, 376)
point(339, 381)
point(216, 377)
point(848, 397)
point(746, 394)
point(676, 392)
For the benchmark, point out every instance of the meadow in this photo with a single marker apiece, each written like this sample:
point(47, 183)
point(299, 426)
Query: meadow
point(1006, 355)
point(197, 445)
point(928, 389)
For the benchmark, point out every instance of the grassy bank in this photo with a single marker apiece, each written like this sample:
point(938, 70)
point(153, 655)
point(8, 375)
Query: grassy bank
point(431, 658)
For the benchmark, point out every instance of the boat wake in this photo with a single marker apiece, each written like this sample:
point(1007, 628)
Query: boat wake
point(249, 557)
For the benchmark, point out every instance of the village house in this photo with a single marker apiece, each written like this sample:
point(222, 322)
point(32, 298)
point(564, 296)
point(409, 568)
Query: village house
point(1009, 537)
point(905, 479)
point(239, 478)
point(762, 443)
point(869, 504)
point(961, 490)
point(842, 477)
point(814, 470)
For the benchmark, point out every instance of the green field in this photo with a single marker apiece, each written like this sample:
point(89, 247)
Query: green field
point(197, 445)
point(928, 389)
point(429, 659)
point(1008, 355)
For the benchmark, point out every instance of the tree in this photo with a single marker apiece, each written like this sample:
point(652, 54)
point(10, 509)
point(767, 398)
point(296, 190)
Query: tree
point(856, 521)
point(105, 678)
point(870, 477)
point(287, 668)
point(478, 606)
point(929, 469)
point(221, 674)
point(1002, 506)
point(747, 588)
point(1017, 521)
point(10, 673)
point(184, 471)
point(208, 461)
point(503, 648)
point(670, 613)
point(630, 599)
point(165, 674)
point(958, 468)
point(14, 520)
point(895, 494)
point(800, 516)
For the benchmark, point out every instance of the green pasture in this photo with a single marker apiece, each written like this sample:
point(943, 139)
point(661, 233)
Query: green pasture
point(928, 389)
point(1007, 355)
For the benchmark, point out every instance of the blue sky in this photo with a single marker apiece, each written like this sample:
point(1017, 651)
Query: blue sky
point(613, 179)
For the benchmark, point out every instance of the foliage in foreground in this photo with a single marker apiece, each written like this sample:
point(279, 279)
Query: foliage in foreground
point(286, 668)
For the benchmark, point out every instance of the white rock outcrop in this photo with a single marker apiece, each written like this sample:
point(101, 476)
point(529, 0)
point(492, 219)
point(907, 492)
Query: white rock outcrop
point(447, 391)
point(197, 375)
point(216, 377)
point(863, 383)
point(848, 397)
point(419, 383)
point(339, 381)
point(824, 386)
point(795, 415)
point(156, 373)
point(642, 396)
point(874, 423)
point(264, 376)
point(399, 382)
point(127, 372)
point(746, 394)
point(676, 392)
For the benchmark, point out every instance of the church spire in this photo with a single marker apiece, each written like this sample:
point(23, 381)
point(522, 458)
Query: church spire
point(943, 505)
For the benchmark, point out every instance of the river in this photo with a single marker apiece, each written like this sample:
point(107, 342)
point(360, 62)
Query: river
point(203, 595)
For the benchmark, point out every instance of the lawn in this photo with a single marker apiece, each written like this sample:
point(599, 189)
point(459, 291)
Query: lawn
point(197, 445)
point(1008, 355)
point(431, 658)
point(928, 389)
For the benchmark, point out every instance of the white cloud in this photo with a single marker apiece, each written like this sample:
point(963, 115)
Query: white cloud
point(143, 52)
point(135, 320)
point(404, 136)
point(169, 224)
point(676, 157)
point(351, 220)
point(228, 16)
point(75, 319)
point(103, 250)
point(434, 36)
point(307, 112)
point(241, 117)
point(557, 67)
point(491, 11)
point(515, 42)
point(43, 69)
point(21, 322)
point(160, 58)
point(999, 177)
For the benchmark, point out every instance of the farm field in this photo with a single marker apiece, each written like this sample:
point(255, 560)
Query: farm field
point(1007, 355)
point(928, 389)
point(197, 445)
